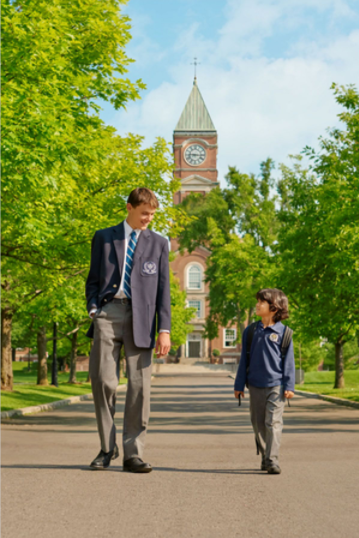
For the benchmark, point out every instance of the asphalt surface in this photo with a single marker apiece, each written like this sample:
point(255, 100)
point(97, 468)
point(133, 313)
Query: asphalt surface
point(206, 480)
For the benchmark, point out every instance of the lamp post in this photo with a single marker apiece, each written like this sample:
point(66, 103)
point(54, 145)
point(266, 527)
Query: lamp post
point(54, 358)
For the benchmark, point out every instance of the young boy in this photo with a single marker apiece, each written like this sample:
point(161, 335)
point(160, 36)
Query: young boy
point(269, 377)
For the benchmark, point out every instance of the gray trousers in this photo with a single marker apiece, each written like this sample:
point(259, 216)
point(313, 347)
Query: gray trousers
point(112, 330)
point(266, 408)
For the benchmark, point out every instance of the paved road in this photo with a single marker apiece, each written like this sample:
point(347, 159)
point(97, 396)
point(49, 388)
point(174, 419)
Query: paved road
point(206, 481)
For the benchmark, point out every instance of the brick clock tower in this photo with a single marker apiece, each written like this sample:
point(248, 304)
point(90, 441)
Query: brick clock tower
point(195, 152)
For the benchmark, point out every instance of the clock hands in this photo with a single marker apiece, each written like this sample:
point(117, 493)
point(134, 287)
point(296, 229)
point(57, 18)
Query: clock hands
point(195, 154)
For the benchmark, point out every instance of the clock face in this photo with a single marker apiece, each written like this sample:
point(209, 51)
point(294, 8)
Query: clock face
point(195, 154)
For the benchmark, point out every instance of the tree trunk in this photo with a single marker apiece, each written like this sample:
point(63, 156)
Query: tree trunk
point(240, 323)
point(41, 353)
point(6, 355)
point(250, 315)
point(73, 358)
point(339, 366)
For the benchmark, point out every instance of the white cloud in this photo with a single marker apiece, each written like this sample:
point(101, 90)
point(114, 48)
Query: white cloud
point(260, 106)
point(141, 47)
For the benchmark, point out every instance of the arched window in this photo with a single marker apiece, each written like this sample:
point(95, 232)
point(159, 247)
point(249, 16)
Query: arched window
point(194, 277)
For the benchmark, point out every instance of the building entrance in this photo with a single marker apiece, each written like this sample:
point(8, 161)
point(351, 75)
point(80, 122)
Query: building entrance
point(194, 346)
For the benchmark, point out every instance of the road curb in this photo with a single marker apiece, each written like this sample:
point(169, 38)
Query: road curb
point(331, 399)
point(50, 406)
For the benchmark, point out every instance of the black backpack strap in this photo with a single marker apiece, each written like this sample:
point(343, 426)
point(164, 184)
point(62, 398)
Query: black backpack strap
point(251, 330)
point(286, 340)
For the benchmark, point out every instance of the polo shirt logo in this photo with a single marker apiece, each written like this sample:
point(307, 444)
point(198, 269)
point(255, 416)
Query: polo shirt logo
point(273, 337)
point(149, 268)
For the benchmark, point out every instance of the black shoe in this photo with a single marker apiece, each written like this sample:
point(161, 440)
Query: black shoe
point(136, 465)
point(263, 465)
point(274, 469)
point(103, 460)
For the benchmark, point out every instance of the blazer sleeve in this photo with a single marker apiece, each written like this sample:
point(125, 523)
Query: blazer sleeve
point(163, 302)
point(93, 279)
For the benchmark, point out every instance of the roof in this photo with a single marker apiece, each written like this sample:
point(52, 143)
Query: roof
point(195, 116)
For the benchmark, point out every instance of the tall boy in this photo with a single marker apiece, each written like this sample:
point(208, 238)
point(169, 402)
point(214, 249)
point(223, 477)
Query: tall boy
point(270, 379)
point(127, 287)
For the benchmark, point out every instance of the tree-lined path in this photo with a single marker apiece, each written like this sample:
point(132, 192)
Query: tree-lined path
point(206, 481)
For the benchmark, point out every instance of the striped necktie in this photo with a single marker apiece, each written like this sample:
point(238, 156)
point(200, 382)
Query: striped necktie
point(129, 262)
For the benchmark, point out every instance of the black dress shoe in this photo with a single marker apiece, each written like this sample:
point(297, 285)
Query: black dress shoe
point(103, 460)
point(273, 469)
point(263, 465)
point(136, 465)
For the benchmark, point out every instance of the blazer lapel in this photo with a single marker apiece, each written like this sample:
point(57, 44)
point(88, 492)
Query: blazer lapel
point(119, 244)
point(141, 244)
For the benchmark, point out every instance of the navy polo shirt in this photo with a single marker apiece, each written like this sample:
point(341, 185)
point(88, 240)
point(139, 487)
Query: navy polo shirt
point(266, 368)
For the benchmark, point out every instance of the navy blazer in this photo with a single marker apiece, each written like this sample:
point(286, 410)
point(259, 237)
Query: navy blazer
point(150, 284)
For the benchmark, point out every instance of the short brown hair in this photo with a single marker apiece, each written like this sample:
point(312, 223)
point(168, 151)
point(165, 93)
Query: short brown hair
point(278, 302)
point(141, 195)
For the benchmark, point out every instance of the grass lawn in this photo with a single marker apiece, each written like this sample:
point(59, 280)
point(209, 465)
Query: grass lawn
point(323, 382)
point(26, 393)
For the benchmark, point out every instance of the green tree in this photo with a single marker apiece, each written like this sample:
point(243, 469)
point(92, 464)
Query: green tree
point(310, 354)
point(350, 354)
point(251, 203)
point(238, 225)
point(319, 237)
point(65, 174)
point(209, 220)
point(180, 314)
point(235, 272)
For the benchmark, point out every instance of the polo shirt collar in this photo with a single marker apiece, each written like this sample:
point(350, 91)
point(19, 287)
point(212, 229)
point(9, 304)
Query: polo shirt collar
point(277, 327)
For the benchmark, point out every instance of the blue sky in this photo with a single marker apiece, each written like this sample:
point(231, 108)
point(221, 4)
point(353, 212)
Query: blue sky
point(265, 70)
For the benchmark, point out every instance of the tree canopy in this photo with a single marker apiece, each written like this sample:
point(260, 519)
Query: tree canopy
point(319, 236)
point(65, 173)
point(238, 225)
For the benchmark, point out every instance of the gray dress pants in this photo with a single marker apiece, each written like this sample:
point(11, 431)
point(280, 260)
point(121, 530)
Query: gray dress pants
point(266, 408)
point(112, 330)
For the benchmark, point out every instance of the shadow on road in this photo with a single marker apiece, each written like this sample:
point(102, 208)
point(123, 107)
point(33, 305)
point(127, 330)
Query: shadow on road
point(118, 469)
point(194, 409)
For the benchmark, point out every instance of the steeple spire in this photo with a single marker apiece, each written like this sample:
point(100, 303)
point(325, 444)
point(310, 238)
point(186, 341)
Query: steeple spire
point(195, 63)
point(195, 116)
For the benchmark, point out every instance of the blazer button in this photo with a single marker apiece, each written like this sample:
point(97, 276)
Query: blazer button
point(105, 300)
point(115, 285)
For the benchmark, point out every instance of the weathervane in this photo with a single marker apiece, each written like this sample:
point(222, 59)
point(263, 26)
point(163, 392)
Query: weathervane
point(195, 63)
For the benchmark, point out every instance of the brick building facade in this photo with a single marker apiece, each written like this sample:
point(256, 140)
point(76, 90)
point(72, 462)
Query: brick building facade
point(195, 146)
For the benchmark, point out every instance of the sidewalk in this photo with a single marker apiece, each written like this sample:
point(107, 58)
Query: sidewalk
point(205, 482)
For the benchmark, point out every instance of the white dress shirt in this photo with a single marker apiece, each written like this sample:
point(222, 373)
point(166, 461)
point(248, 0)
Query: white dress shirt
point(128, 231)
point(120, 293)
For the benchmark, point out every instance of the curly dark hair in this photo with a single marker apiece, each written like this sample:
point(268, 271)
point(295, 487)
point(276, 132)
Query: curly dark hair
point(278, 302)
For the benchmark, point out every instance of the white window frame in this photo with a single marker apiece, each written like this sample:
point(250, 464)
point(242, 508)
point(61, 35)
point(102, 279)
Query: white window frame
point(197, 315)
point(225, 339)
point(198, 266)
